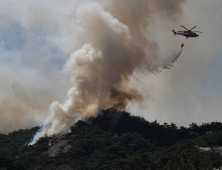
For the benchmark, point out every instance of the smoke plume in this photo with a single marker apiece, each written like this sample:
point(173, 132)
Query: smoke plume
point(114, 47)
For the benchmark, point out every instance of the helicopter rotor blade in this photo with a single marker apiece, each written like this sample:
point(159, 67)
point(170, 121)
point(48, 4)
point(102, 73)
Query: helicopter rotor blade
point(184, 27)
point(193, 28)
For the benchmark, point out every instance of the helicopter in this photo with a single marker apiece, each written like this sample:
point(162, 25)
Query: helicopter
point(187, 33)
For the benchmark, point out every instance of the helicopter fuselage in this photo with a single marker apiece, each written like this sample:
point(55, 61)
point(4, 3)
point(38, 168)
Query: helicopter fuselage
point(186, 34)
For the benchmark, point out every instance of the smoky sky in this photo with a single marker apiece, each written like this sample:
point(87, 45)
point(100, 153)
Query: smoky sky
point(93, 50)
point(191, 91)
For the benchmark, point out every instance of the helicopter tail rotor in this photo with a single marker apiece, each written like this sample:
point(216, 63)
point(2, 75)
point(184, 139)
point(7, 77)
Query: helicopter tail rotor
point(174, 31)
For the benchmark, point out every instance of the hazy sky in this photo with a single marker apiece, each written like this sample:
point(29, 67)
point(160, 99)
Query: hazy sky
point(38, 37)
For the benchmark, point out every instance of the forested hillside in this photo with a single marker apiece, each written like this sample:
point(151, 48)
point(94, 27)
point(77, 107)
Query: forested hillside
point(116, 140)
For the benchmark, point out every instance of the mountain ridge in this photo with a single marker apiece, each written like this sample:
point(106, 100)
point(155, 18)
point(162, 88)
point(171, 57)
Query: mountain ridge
point(115, 140)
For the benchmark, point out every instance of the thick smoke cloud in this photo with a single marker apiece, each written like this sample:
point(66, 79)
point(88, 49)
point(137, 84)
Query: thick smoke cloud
point(114, 48)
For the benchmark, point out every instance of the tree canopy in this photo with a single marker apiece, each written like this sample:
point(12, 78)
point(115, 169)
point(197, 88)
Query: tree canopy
point(116, 140)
